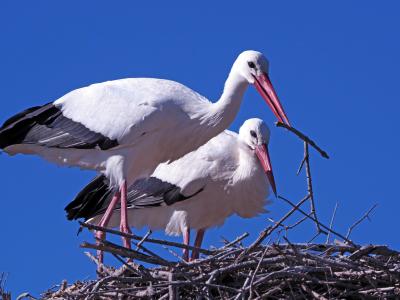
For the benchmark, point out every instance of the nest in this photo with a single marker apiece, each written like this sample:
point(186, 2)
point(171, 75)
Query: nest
point(306, 271)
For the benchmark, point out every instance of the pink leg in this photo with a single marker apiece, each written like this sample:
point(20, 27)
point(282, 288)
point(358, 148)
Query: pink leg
point(104, 222)
point(124, 226)
point(186, 241)
point(197, 243)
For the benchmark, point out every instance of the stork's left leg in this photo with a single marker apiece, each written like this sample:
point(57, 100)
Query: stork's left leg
point(186, 241)
point(100, 235)
point(197, 243)
point(124, 226)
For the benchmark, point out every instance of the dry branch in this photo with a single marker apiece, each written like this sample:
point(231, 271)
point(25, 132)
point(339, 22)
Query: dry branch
point(365, 216)
point(303, 137)
point(139, 238)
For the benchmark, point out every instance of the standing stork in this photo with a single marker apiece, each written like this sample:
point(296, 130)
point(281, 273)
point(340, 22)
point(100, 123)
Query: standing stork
point(144, 120)
point(230, 174)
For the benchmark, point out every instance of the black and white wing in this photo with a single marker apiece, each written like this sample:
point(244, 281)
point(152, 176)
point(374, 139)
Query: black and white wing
point(46, 126)
point(102, 115)
point(94, 199)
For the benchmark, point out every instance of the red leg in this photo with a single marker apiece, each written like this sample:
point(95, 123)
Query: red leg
point(197, 243)
point(186, 241)
point(104, 222)
point(124, 226)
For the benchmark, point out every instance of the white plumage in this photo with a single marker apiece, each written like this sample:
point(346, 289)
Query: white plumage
point(143, 115)
point(221, 178)
point(141, 120)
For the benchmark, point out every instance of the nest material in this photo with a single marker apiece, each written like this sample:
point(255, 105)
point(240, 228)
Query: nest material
point(277, 271)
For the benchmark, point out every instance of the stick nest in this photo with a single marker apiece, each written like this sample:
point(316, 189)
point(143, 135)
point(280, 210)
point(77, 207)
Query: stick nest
point(305, 271)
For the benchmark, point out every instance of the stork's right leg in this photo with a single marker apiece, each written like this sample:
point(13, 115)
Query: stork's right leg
point(197, 243)
point(124, 225)
point(186, 241)
point(104, 222)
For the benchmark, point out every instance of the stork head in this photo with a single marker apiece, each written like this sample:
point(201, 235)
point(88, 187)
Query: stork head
point(255, 133)
point(254, 68)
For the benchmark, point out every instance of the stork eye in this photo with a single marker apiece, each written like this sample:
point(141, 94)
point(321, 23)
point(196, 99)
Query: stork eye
point(253, 133)
point(251, 65)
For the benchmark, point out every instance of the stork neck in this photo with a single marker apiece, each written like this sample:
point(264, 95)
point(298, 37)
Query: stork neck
point(247, 161)
point(228, 105)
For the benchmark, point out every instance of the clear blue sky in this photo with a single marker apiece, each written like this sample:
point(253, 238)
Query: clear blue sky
point(335, 67)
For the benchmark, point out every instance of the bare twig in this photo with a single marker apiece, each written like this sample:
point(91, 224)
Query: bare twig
point(172, 289)
point(331, 223)
point(99, 264)
point(235, 241)
point(309, 185)
point(365, 216)
point(255, 272)
point(143, 239)
point(301, 165)
point(139, 238)
point(305, 138)
point(125, 252)
point(320, 224)
point(265, 233)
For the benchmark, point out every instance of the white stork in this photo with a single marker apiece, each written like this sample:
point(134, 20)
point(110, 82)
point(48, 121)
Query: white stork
point(230, 174)
point(146, 120)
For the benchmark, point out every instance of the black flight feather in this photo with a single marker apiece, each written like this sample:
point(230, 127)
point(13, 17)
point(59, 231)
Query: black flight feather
point(94, 199)
point(46, 126)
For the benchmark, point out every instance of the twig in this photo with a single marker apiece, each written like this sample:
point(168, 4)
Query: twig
point(235, 241)
point(263, 235)
point(99, 264)
point(314, 237)
point(148, 240)
point(255, 272)
point(331, 223)
point(314, 294)
point(305, 138)
point(172, 289)
point(143, 239)
point(301, 165)
point(365, 216)
point(125, 252)
point(321, 224)
point(309, 185)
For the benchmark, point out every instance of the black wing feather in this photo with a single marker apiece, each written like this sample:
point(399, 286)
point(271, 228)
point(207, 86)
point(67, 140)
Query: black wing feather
point(94, 199)
point(47, 126)
point(90, 199)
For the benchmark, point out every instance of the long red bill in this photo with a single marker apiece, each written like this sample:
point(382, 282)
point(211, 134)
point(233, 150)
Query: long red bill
point(266, 89)
point(263, 156)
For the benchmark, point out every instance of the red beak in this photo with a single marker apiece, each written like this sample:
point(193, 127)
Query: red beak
point(263, 156)
point(266, 89)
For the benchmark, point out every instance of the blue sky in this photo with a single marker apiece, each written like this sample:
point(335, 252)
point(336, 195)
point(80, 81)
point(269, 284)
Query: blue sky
point(334, 65)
